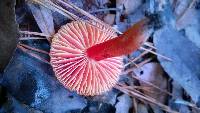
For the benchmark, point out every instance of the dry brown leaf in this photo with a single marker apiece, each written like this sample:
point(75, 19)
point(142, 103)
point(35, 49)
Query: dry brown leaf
point(153, 73)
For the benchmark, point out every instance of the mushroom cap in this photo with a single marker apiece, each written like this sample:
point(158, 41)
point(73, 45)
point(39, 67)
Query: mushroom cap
point(73, 68)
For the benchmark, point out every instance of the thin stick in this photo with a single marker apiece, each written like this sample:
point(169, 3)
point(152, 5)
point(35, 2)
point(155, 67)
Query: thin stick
point(169, 59)
point(192, 3)
point(135, 105)
point(34, 33)
point(128, 71)
point(149, 45)
point(32, 54)
point(34, 49)
point(144, 62)
point(135, 59)
point(139, 66)
point(32, 38)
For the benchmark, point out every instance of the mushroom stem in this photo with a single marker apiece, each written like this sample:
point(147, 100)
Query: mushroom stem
point(124, 44)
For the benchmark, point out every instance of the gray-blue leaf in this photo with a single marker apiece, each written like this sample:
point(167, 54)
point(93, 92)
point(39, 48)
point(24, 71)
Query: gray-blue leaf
point(185, 67)
point(124, 104)
point(44, 18)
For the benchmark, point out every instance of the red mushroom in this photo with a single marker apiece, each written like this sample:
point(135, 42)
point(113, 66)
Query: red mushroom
point(86, 57)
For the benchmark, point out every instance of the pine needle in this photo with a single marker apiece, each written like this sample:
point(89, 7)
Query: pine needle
point(34, 33)
point(32, 54)
point(162, 56)
point(144, 97)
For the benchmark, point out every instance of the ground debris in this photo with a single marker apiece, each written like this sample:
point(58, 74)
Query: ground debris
point(148, 83)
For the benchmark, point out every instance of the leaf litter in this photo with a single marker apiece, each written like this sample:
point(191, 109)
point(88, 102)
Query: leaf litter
point(168, 41)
